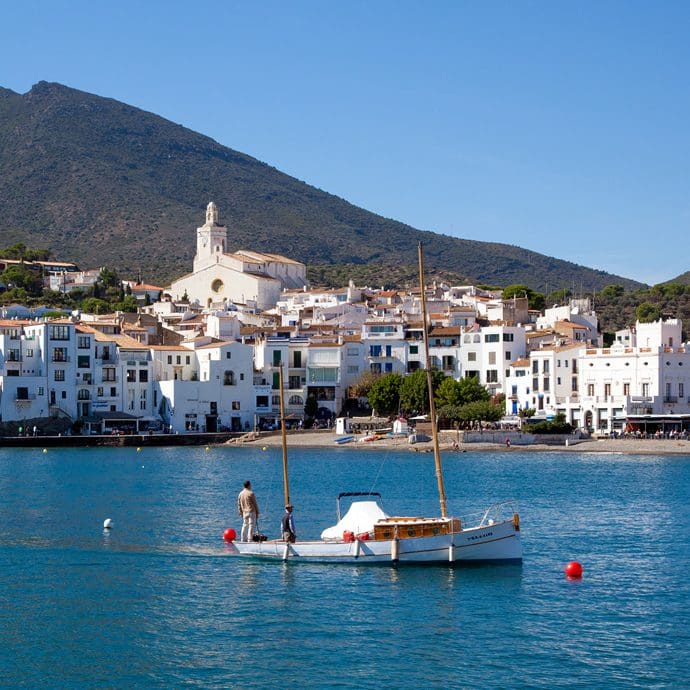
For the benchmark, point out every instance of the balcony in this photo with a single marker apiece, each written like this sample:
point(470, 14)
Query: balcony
point(60, 358)
point(670, 399)
point(24, 398)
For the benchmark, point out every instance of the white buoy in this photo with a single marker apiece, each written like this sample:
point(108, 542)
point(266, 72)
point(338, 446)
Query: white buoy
point(108, 523)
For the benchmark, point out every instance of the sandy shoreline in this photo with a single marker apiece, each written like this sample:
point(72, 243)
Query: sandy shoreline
point(322, 439)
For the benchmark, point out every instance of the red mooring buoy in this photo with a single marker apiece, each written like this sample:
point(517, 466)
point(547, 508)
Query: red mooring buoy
point(229, 534)
point(573, 569)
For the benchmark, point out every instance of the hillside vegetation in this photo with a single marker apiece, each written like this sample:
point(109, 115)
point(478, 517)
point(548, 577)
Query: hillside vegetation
point(104, 184)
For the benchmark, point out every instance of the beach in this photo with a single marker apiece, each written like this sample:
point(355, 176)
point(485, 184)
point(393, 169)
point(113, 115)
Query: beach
point(326, 438)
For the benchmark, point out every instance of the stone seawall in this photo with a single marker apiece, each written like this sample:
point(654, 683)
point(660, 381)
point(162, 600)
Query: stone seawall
point(116, 441)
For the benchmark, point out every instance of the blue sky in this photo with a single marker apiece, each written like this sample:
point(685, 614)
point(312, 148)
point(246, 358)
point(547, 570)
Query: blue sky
point(559, 127)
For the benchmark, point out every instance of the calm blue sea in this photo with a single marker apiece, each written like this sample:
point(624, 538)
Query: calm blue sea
point(158, 603)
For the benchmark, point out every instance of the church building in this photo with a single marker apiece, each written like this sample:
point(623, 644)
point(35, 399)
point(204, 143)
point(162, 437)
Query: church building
point(243, 277)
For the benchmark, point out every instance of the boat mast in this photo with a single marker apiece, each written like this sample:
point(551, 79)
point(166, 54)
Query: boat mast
point(430, 387)
point(286, 483)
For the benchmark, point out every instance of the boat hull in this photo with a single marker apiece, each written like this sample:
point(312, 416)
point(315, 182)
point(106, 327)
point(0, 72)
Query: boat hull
point(499, 542)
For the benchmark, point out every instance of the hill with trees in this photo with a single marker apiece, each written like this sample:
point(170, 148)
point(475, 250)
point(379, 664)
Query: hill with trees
point(102, 183)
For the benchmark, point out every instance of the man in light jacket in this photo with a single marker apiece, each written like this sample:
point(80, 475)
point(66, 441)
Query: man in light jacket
point(248, 509)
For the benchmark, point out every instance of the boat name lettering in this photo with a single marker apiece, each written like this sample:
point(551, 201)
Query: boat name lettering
point(480, 536)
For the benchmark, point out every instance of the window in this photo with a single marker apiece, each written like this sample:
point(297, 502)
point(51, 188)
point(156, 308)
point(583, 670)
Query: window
point(376, 368)
point(535, 366)
point(491, 338)
point(546, 384)
point(277, 359)
point(558, 380)
point(492, 358)
point(13, 355)
point(131, 375)
point(59, 375)
point(229, 378)
point(645, 390)
point(228, 355)
point(297, 359)
point(187, 359)
point(99, 391)
point(573, 384)
point(142, 404)
point(546, 366)
point(353, 351)
point(324, 375)
point(83, 342)
point(558, 363)
point(83, 394)
point(414, 349)
point(169, 359)
point(389, 367)
point(109, 374)
point(471, 356)
point(535, 384)
point(60, 354)
point(352, 369)
point(262, 401)
point(22, 393)
point(41, 390)
point(178, 359)
point(113, 391)
point(29, 352)
point(492, 375)
point(143, 375)
point(509, 355)
point(374, 350)
point(295, 400)
point(59, 332)
point(590, 389)
point(275, 400)
point(681, 390)
point(626, 388)
point(235, 405)
point(389, 350)
point(508, 337)
point(63, 395)
point(83, 361)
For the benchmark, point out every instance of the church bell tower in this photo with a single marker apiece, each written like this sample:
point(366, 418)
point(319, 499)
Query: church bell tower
point(211, 239)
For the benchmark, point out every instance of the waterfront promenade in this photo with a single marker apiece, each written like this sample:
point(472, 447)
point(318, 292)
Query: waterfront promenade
point(629, 446)
point(323, 438)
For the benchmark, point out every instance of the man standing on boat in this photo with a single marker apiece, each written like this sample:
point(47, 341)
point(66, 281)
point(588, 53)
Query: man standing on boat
point(287, 525)
point(248, 509)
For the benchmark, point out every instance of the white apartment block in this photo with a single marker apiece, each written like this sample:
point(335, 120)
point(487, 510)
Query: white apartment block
point(385, 346)
point(487, 353)
point(652, 378)
point(547, 381)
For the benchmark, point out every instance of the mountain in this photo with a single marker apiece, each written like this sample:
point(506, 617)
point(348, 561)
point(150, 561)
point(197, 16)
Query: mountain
point(682, 279)
point(103, 183)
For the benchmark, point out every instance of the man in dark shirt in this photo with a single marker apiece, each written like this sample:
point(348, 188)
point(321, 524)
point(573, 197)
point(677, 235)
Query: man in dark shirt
point(287, 525)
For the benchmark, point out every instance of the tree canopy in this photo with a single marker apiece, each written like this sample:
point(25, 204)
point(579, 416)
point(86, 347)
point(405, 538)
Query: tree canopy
point(384, 394)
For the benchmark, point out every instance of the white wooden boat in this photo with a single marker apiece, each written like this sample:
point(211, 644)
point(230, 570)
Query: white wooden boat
point(366, 534)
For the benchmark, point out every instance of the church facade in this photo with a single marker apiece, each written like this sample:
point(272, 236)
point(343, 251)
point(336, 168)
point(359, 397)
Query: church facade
point(219, 278)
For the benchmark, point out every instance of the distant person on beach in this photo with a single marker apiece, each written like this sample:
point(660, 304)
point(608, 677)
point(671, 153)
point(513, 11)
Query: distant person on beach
point(248, 509)
point(287, 525)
